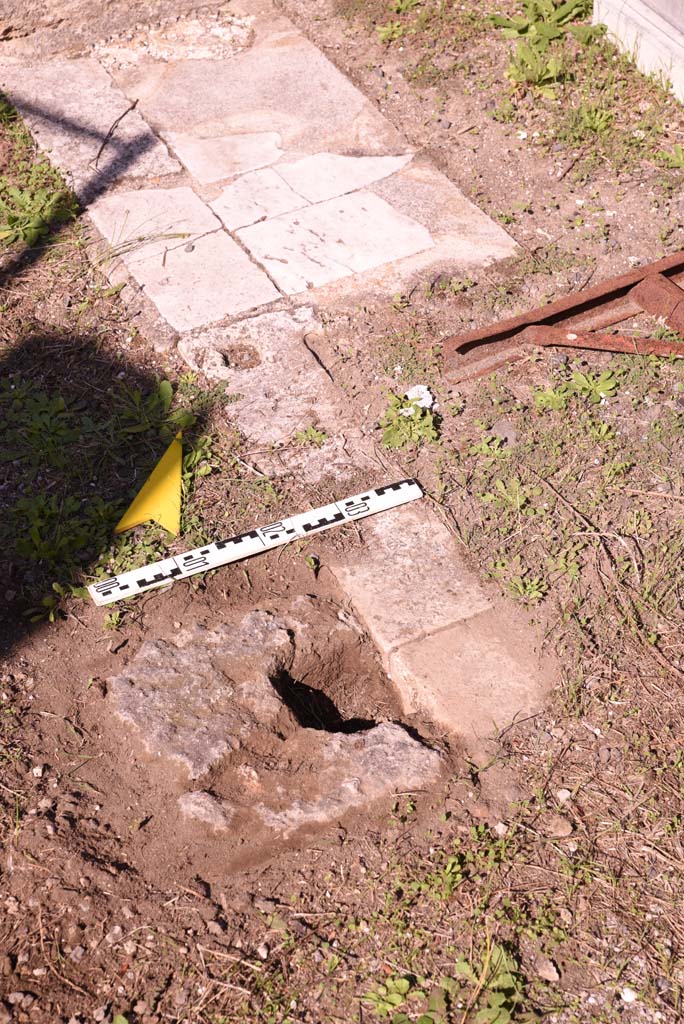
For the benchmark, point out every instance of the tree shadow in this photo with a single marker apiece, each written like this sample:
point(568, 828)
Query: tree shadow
point(112, 157)
point(81, 427)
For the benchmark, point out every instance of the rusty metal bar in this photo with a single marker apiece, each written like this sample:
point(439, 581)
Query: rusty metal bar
point(560, 337)
point(481, 351)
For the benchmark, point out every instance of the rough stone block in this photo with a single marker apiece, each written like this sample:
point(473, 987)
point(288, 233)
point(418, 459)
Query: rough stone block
point(354, 772)
point(175, 248)
point(195, 696)
point(70, 107)
point(474, 678)
point(258, 356)
point(207, 809)
point(327, 175)
point(214, 159)
point(255, 196)
point(333, 239)
point(407, 580)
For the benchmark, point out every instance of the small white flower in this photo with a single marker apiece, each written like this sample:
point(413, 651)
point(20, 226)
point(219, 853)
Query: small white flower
point(521, 135)
point(421, 395)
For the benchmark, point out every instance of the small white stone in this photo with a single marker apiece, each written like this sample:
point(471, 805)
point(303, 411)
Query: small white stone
point(37, 771)
point(501, 829)
point(628, 995)
point(563, 795)
point(263, 951)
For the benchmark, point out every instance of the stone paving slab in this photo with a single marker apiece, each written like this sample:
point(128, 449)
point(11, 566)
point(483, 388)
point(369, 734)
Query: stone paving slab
point(333, 239)
point(226, 156)
point(321, 193)
point(473, 678)
point(280, 386)
point(328, 175)
point(406, 581)
point(255, 197)
point(282, 84)
point(194, 697)
point(176, 249)
point(69, 107)
point(347, 773)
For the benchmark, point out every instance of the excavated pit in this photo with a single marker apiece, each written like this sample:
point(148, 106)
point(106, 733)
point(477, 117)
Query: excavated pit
point(268, 727)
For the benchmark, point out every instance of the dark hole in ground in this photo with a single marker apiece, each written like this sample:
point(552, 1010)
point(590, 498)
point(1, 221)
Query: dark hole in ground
point(313, 709)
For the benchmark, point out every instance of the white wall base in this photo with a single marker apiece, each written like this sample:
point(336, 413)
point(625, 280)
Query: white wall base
point(655, 42)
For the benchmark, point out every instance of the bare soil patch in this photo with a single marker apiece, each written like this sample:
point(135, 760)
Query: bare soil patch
point(551, 871)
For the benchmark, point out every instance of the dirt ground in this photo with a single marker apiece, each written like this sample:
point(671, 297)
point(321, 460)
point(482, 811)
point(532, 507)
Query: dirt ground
point(541, 882)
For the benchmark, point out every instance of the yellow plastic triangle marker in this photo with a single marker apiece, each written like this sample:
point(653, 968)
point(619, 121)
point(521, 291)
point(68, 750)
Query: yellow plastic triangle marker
point(159, 498)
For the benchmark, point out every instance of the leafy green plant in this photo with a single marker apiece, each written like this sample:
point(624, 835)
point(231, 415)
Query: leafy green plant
point(512, 496)
point(199, 459)
point(552, 399)
point(674, 159)
point(545, 20)
point(50, 606)
point(498, 985)
point(393, 993)
point(405, 421)
point(594, 119)
point(404, 6)
point(26, 214)
point(113, 620)
point(667, 334)
point(492, 447)
point(528, 589)
point(531, 67)
point(390, 32)
point(595, 388)
point(311, 436)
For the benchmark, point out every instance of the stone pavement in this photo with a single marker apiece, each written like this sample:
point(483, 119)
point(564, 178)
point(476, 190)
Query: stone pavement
point(246, 186)
point(249, 170)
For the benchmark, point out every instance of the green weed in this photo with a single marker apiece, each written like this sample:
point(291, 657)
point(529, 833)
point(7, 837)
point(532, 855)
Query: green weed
point(33, 196)
point(513, 496)
point(673, 159)
point(311, 437)
point(545, 20)
point(551, 399)
point(595, 388)
point(387, 997)
point(405, 421)
point(532, 67)
point(390, 32)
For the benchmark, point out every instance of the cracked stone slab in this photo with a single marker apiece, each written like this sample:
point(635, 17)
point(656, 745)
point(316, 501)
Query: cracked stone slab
point(333, 239)
point(354, 772)
point(328, 175)
point(262, 90)
point(213, 159)
point(474, 678)
point(175, 248)
point(70, 107)
point(339, 773)
point(407, 580)
point(257, 356)
point(255, 196)
point(205, 37)
point(193, 697)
